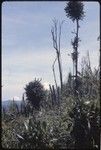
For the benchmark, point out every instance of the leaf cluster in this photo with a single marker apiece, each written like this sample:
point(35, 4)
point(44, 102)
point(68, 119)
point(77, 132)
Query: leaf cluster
point(74, 10)
point(35, 93)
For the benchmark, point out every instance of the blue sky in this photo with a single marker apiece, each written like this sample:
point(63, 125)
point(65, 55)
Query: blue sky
point(27, 50)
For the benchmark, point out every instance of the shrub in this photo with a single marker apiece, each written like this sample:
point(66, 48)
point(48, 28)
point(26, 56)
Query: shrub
point(86, 126)
point(35, 93)
point(34, 134)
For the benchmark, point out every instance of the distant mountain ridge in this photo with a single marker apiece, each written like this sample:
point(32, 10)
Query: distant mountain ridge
point(7, 103)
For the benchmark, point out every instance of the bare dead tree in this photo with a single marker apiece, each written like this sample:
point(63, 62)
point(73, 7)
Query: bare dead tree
point(56, 36)
point(57, 88)
point(52, 95)
point(53, 68)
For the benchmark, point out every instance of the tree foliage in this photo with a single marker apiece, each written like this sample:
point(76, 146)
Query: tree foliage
point(35, 93)
point(74, 10)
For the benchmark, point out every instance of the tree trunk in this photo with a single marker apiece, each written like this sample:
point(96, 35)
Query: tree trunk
point(76, 65)
point(60, 70)
point(54, 74)
point(56, 45)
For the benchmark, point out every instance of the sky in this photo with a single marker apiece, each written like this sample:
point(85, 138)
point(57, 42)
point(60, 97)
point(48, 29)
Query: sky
point(27, 47)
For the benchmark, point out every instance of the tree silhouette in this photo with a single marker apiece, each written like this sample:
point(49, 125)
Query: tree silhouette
point(56, 44)
point(74, 11)
point(35, 93)
point(53, 68)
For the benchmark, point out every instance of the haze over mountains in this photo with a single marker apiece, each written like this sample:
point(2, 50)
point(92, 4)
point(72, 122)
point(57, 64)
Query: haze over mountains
point(7, 103)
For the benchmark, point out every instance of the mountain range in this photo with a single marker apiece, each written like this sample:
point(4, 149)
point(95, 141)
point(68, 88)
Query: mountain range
point(7, 103)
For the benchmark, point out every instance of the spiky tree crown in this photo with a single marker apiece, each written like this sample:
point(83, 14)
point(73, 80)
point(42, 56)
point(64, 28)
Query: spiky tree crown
point(74, 10)
point(35, 93)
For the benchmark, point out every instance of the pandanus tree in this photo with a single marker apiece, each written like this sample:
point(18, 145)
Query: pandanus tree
point(35, 93)
point(74, 11)
point(81, 131)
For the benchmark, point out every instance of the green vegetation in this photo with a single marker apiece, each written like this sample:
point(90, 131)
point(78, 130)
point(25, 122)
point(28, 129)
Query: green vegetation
point(65, 117)
point(56, 126)
point(35, 93)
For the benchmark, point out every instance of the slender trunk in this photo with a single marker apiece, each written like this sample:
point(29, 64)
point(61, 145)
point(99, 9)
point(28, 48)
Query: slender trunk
point(56, 45)
point(60, 71)
point(76, 50)
point(59, 58)
point(55, 78)
point(54, 95)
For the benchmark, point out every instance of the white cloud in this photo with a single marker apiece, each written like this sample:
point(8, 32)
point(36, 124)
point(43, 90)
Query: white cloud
point(16, 98)
point(46, 85)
